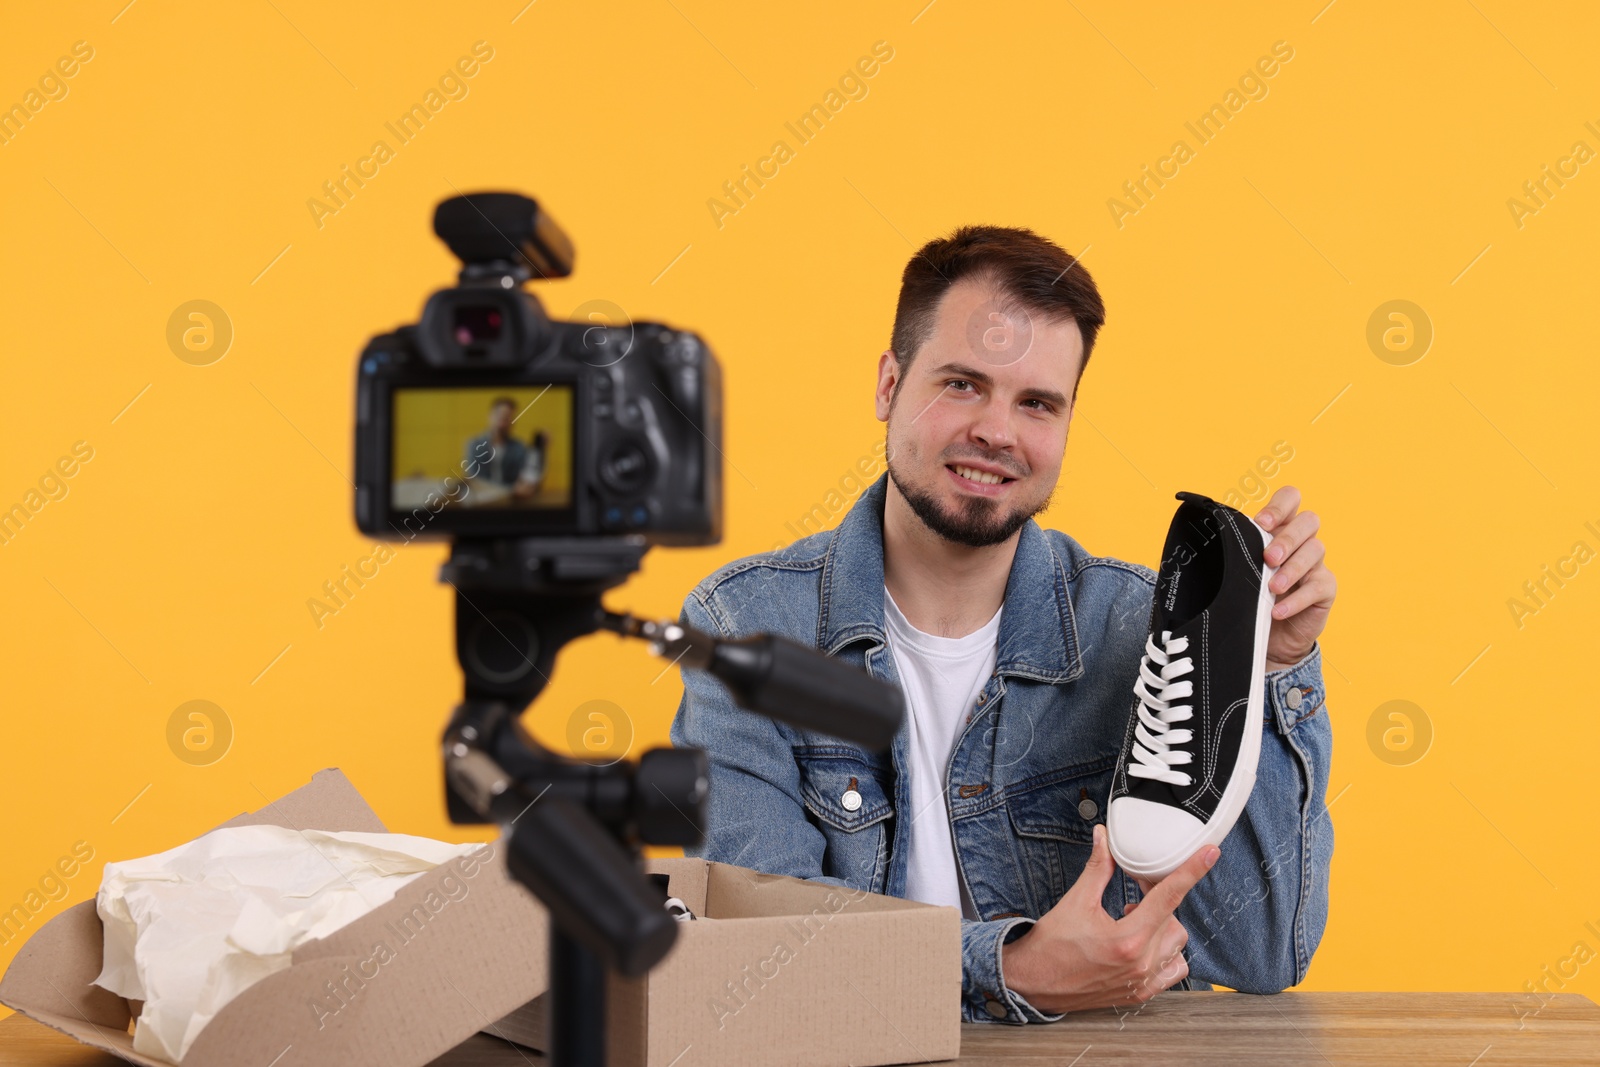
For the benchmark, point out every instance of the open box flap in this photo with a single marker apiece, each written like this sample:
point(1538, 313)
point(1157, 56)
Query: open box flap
point(328, 802)
point(403, 984)
point(737, 892)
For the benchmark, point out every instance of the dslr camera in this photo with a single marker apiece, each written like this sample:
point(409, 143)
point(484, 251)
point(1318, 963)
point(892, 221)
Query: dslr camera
point(489, 420)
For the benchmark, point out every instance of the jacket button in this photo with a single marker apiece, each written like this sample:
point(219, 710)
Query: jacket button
point(1088, 808)
point(1294, 699)
point(851, 800)
point(994, 1008)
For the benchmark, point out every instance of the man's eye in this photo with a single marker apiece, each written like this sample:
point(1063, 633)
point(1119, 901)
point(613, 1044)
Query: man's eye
point(957, 383)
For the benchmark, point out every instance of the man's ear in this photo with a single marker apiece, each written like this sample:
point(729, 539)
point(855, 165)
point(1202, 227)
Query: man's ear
point(888, 378)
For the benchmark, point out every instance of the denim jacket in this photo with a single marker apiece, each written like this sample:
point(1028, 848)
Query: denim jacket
point(1030, 772)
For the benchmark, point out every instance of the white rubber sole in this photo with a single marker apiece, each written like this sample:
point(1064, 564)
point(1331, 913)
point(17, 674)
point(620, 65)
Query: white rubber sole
point(1243, 779)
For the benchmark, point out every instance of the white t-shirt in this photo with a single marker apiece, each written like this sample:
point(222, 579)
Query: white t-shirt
point(942, 677)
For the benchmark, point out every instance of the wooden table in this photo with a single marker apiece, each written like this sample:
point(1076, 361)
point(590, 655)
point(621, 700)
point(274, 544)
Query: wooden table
point(1177, 1029)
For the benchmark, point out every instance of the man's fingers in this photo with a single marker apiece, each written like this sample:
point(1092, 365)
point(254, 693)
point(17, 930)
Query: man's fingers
point(1097, 872)
point(1279, 508)
point(1173, 937)
point(1291, 570)
point(1315, 588)
point(1289, 535)
point(1172, 971)
point(1168, 893)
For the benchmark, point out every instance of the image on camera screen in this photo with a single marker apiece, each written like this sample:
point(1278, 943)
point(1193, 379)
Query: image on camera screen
point(480, 449)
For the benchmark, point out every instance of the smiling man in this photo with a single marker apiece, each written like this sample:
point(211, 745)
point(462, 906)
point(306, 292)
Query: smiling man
point(1017, 650)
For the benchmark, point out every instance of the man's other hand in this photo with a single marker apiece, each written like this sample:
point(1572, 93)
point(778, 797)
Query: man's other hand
point(1304, 587)
point(1077, 956)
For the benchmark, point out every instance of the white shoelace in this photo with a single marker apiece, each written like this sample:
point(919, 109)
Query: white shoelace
point(1155, 735)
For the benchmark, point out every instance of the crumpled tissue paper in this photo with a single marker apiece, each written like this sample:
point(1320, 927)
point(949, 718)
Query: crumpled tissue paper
point(189, 929)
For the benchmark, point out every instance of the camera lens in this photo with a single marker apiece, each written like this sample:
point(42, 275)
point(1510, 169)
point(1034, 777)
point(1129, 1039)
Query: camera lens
point(476, 323)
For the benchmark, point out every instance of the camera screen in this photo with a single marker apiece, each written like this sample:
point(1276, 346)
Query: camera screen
point(482, 449)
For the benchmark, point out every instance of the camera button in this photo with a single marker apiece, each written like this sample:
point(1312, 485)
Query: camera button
point(639, 516)
point(612, 516)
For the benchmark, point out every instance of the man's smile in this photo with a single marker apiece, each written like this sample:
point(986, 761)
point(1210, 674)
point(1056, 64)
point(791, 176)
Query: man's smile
point(979, 479)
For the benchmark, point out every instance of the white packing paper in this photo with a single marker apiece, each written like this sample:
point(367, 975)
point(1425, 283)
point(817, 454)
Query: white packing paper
point(189, 929)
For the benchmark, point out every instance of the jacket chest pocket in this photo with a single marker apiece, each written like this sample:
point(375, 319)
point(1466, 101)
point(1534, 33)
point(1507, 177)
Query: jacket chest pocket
point(1053, 815)
point(847, 798)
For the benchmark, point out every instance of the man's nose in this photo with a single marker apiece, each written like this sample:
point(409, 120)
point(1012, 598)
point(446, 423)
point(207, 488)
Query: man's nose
point(993, 427)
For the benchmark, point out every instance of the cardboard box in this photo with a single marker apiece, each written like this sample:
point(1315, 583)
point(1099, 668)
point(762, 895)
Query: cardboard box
point(782, 971)
point(458, 949)
point(463, 948)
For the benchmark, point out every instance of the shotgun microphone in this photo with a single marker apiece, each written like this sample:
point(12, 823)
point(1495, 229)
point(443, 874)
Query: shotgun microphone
point(782, 679)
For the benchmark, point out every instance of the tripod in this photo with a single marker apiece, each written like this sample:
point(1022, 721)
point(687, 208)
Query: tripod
point(576, 828)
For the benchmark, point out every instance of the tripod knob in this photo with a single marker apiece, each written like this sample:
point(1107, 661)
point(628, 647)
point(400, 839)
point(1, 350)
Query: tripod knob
point(670, 789)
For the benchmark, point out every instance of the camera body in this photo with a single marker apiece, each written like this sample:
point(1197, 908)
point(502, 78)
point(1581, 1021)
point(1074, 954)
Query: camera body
point(488, 419)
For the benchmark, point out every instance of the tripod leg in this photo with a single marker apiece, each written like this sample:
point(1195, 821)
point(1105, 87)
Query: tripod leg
point(577, 1023)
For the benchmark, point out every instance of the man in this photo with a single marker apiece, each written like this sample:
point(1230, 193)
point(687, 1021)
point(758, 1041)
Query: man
point(1018, 651)
point(495, 455)
point(531, 478)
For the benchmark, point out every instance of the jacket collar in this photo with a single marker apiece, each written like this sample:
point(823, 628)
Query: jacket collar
point(1038, 635)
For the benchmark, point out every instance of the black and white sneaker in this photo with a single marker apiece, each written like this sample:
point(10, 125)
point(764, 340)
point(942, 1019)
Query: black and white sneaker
point(1194, 734)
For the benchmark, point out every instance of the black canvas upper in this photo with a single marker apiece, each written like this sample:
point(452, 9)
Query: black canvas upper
point(1207, 589)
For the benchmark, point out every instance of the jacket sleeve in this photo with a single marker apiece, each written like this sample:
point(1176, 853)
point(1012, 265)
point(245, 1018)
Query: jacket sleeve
point(1257, 917)
point(757, 819)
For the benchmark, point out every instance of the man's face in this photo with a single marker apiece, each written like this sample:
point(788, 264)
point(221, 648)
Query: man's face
point(500, 417)
point(978, 425)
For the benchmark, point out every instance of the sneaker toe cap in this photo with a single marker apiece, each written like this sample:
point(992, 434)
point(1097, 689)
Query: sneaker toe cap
point(1151, 839)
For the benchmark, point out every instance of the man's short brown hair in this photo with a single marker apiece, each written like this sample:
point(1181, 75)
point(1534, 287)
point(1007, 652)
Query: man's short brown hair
point(1030, 271)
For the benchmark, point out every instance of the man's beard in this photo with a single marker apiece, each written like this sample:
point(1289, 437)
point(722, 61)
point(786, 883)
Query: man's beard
point(978, 521)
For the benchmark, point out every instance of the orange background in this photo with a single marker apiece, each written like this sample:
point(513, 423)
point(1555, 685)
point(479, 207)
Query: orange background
point(1378, 164)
